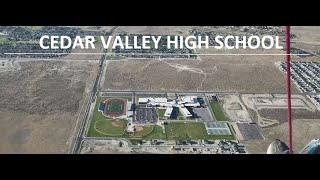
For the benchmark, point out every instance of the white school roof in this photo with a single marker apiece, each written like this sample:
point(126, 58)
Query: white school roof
point(153, 100)
point(130, 113)
point(143, 100)
point(168, 112)
point(129, 104)
point(185, 112)
point(160, 100)
point(188, 99)
point(192, 104)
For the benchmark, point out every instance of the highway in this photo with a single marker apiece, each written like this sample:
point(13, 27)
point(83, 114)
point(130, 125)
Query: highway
point(91, 103)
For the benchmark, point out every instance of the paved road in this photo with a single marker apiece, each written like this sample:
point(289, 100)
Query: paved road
point(199, 92)
point(91, 103)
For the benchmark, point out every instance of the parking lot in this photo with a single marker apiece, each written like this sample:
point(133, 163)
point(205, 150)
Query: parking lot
point(204, 114)
point(145, 115)
point(249, 131)
point(305, 76)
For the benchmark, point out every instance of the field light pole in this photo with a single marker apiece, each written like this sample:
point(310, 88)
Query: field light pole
point(287, 30)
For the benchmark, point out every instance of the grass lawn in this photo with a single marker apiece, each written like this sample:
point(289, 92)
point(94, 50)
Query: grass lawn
point(98, 40)
point(218, 111)
point(182, 131)
point(3, 40)
point(178, 131)
point(35, 28)
point(151, 132)
point(100, 126)
point(115, 107)
point(110, 127)
point(161, 113)
point(185, 131)
point(157, 133)
point(180, 116)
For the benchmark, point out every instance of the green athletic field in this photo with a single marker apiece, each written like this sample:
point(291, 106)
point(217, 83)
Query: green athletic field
point(218, 111)
point(161, 113)
point(114, 107)
point(191, 130)
point(100, 126)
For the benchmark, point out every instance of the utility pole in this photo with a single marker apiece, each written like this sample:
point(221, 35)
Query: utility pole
point(287, 30)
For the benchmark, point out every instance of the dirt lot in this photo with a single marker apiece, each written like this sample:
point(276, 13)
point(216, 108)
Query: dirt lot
point(40, 104)
point(307, 37)
point(154, 30)
point(303, 132)
point(306, 126)
point(213, 73)
point(276, 101)
point(234, 108)
point(256, 74)
point(270, 110)
point(281, 114)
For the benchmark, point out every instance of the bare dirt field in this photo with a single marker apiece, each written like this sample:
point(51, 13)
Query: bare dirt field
point(257, 74)
point(281, 114)
point(139, 128)
point(306, 124)
point(276, 101)
point(304, 130)
point(307, 37)
point(154, 30)
point(105, 147)
point(270, 109)
point(234, 108)
point(230, 73)
point(40, 104)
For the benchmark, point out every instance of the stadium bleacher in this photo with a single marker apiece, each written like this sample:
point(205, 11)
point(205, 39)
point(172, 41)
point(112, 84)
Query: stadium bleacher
point(102, 106)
